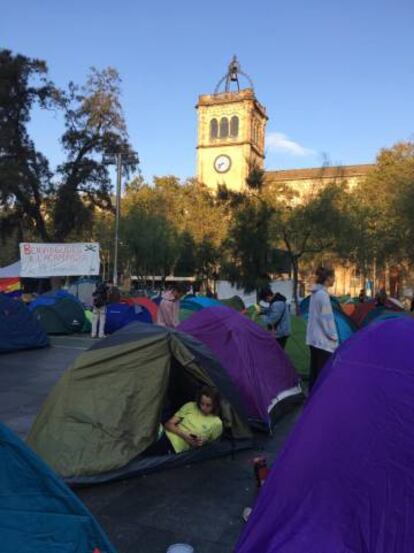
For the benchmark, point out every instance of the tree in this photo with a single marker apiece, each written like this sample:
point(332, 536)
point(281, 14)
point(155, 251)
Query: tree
point(59, 206)
point(248, 245)
point(380, 208)
point(310, 227)
point(24, 172)
point(186, 263)
point(151, 241)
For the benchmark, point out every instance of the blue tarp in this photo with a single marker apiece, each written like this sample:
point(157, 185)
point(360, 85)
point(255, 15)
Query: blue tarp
point(38, 512)
point(119, 315)
point(18, 328)
point(344, 324)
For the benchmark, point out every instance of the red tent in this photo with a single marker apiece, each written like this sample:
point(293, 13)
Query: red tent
point(145, 302)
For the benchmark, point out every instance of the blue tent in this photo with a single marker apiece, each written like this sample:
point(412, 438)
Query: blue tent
point(344, 324)
point(39, 514)
point(119, 315)
point(197, 303)
point(18, 328)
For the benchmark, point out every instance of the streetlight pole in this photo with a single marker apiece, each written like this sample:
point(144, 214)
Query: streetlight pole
point(117, 214)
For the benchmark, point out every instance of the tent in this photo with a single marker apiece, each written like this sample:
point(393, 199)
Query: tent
point(150, 305)
point(345, 326)
point(362, 310)
point(59, 312)
point(11, 271)
point(83, 289)
point(18, 328)
point(235, 302)
point(253, 313)
point(106, 409)
point(203, 301)
point(344, 481)
point(296, 348)
point(260, 370)
point(381, 314)
point(119, 315)
point(39, 514)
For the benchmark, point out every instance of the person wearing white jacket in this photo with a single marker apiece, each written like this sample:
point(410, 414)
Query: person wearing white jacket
point(321, 333)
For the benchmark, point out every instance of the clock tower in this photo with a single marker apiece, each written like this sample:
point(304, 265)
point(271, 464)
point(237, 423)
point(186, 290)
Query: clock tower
point(231, 132)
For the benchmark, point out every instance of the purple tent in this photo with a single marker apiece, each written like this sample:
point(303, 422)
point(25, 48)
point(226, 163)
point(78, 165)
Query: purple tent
point(344, 482)
point(257, 365)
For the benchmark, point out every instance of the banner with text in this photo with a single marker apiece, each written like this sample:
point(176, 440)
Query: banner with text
point(48, 260)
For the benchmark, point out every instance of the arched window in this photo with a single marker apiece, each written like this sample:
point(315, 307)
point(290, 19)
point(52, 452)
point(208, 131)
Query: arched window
point(234, 126)
point(224, 127)
point(213, 128)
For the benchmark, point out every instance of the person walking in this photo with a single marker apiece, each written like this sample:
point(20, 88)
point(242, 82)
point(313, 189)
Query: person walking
point(321, 332)
point(100, 300)
point(277, 316)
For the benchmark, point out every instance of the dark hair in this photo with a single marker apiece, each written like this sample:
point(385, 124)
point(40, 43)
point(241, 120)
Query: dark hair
point(265, 293)
point(211, 393)
point(322, 274)
point(180, 287)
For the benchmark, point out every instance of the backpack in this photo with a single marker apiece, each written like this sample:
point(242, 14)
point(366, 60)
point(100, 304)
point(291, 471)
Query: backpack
point(100, 296)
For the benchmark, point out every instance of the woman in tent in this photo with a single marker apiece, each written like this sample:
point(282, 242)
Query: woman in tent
point(321, 334)
point(169, 310)
point(193, 425)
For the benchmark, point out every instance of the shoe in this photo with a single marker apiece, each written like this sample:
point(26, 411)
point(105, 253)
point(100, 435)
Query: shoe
point(246, 513)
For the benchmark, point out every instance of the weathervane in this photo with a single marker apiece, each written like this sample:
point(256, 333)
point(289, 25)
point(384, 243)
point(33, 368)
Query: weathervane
point(232, 76)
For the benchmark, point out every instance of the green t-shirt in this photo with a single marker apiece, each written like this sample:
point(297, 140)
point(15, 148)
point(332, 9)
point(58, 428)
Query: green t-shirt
point(193, 421)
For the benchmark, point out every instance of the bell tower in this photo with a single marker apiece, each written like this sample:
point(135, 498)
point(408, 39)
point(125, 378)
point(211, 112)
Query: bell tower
point(231, 132)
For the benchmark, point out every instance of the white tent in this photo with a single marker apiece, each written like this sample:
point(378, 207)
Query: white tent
point(11, 271)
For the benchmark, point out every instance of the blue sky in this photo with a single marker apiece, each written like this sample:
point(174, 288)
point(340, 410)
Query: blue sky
point(336, 77)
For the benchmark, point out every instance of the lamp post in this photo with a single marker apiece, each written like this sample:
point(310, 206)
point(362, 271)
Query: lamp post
point(117, 213)
point(118, 158)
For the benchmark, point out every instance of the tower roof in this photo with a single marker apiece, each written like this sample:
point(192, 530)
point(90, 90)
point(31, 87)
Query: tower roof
point(232, 76)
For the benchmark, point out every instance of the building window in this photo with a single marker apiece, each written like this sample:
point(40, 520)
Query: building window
point(213, 128)
point(224, 127)
point(234, 126)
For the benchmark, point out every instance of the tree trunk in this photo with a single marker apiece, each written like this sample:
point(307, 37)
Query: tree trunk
point(295, 267)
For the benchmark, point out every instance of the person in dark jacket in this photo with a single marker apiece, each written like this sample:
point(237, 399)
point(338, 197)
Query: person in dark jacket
point(277, 316)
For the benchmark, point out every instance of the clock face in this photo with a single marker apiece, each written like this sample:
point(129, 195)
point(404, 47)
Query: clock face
point(222, 163)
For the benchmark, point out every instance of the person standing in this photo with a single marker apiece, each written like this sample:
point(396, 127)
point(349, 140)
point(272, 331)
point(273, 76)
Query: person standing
point(114, 294)
point(100, 300)
point(362, 296)
point(321, 332)
point(169, 309)
point(277, 316)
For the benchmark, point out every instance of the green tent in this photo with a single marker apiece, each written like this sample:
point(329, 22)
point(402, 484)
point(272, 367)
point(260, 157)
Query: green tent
point(296, 347)
point(87, 326)
point(60, 315)
point(253, 312)
point(186, 313)
point(235, 302)
point(107, 408)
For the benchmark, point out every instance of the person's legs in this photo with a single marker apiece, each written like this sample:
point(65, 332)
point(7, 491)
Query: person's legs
point(319, 358)
point(282, 341)
point(313, 369)
point(162, 446)
point(95, 318)
point(102, 321)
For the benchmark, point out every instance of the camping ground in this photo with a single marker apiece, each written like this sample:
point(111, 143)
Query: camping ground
point(199, 504)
